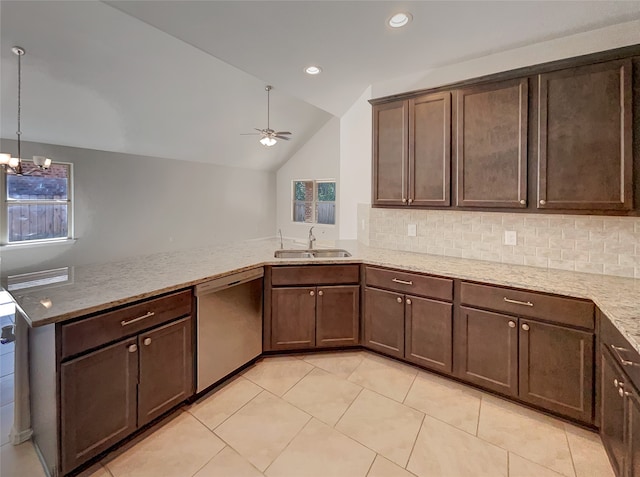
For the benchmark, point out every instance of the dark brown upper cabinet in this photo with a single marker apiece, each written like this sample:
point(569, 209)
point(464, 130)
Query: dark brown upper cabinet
point(585, 138)
point(412, 151)
point(492, 145)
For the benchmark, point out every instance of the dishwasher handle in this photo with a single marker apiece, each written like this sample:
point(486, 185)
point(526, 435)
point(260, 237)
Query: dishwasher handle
point(229, 281)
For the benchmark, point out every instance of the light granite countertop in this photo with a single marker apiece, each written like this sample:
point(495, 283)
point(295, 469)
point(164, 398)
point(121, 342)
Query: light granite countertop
point(98, 287)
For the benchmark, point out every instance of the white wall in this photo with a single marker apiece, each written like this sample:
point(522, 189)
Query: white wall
point(355, 126)
point(355, 163)
point(128, 205)
point(319, 158)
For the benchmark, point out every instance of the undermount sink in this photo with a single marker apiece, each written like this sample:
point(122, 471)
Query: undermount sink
point(320, 253)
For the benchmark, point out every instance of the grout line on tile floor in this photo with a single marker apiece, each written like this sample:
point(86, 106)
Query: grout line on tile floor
point(349, 406)
point(233, 413)
point(409, 388)
point(311, 418)
point(479, 411)
point(371, 465)
point(213, 456)
point(415, 441)
point(573, 464)
point(508, 468)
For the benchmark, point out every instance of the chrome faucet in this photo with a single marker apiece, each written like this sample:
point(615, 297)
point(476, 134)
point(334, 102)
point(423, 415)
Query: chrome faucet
point(281, 245)
point(311, 238)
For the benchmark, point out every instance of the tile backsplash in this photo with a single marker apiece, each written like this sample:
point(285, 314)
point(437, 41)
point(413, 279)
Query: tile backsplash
point(591, 244)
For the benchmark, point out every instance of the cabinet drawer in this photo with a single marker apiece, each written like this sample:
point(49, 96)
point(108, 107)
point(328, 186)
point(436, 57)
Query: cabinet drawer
point(315, 275)
point(101, 329)
point(567, 311)
point(622, 351)
point(412, 283)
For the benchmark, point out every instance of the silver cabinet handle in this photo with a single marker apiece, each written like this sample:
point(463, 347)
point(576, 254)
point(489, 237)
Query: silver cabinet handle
point(404, 200)
point(320, 293)
point(312, 293)
point(523, 202)
point(525, 327)
point(543, 202)
point(399, 300)
point(512, 324)
point(408, 302)
point(133, 348)
point(617, 383)
point(403, 282)
point(147, 341)
point(135, 320)
point(410, 201)
point(625, 362)
point(517, 302)
point(621, 392)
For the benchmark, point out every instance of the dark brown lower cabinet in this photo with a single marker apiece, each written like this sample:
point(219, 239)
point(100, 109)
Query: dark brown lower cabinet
point(556, 368)
point(166, 369)
point(384, 321)
point(98, 401)
point(337, 315)
point(633, 433)
point(486, 349)
point(293, 317)
point(612, 411)
point(105, 395)
point(428, 333)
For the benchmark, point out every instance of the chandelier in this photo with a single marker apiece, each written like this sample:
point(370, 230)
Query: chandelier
point(14, 164)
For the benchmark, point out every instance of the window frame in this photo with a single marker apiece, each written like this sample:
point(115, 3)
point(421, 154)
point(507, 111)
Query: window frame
point(314, 203)
point(4, 210)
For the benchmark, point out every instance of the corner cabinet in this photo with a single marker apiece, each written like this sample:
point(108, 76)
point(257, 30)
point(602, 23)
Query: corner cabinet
point(324, 312)
point(412, 151)
point(585, 133)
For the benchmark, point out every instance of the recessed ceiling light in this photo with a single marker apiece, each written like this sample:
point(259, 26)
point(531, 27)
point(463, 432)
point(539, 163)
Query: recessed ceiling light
point(400, 20)
point(313, 70)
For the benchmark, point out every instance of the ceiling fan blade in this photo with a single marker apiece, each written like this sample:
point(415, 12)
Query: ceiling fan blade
point(283, 132)
point(262, 131)
point(282, 137)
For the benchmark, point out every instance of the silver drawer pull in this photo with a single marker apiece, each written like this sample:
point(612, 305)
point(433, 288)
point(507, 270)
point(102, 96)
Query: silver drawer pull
point(518, 302)
point(625, 362)
point(135, 320)
point(404, 282)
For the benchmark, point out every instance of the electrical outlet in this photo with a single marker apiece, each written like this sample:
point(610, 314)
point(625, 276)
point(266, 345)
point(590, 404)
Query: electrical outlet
point(510, 237)
point(412, 230)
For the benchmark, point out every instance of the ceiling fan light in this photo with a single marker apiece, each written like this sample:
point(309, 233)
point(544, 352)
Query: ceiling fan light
point(42, 162)
point(14, 162)
point(5, 158)
point(268, 141)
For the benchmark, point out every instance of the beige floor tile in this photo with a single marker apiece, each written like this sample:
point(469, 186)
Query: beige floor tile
point(387, 427)
point(228, 463)
point(6, 364)
point(278, 374)
point(587, 451)
point(223, 402)
point(385, 468)
point(6, 390)
point(323, 395)
point(262, 429)
point(385, 376)
point(320, 451)
point(521, 467)
point(532, 435)
point(443, 450)
point(6, 422)
point(177, 449)
point(446, 400)
point(20, 461)
point(340, 364)
point(95, 471)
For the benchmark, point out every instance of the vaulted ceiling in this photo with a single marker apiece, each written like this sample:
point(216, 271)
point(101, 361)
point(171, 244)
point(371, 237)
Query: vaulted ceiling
point(183, 79)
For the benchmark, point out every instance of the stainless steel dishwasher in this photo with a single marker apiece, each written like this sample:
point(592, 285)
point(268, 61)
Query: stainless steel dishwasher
point(229, 325)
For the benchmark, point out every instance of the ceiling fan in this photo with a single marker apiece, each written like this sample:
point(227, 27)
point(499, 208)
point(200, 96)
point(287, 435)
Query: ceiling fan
point(269, 137)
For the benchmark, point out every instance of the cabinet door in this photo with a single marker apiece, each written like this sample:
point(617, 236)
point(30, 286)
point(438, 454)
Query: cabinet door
point(430, 150)
point(293, 317)
point(556, 369)
point(492, 145)
point(612, 411)
point(166, 369)
point(97, 401)
point(384, 321)
point(428, 333)
point(486, 349)
point(585, 138)
point(390, 153)
point(337, 315)
point(633, 433)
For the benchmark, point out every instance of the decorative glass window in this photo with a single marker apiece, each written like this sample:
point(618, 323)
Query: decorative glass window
point(314, 202)
point(37, 207)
